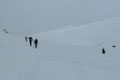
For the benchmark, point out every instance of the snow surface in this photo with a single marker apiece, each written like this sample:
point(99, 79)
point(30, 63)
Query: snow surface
point(72, 53)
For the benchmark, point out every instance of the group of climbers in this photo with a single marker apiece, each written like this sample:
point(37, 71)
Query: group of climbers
point(30, 39)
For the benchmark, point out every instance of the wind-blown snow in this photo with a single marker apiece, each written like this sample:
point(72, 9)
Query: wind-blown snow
point(72, 53)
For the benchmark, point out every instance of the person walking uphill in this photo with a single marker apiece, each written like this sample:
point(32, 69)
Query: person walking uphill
point(36, 43)
point(30, 40)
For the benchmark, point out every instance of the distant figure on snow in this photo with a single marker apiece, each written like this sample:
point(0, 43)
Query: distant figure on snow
point(30, 40)
point(103, 51)
point(36, 43)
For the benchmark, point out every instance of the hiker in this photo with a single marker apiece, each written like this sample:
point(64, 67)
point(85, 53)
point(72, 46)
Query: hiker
point(36, 43)
point(103, 51)
point(30, 40)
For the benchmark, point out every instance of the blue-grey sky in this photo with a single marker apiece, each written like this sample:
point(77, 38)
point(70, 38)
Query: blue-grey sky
point(33, 16)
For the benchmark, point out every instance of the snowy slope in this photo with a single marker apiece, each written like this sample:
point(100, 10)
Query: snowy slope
point(72, 53)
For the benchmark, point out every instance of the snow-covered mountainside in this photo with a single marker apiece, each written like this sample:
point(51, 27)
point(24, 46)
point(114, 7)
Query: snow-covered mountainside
point(72, 53)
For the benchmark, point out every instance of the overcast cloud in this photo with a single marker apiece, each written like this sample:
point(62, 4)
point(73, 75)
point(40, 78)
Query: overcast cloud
point(33, 16)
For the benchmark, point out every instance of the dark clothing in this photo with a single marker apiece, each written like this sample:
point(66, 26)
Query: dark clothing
point(103, 51)
point(30, 40)
point(36, 43)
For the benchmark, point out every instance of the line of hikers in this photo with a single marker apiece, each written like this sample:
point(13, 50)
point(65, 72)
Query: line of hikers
point(31, 40)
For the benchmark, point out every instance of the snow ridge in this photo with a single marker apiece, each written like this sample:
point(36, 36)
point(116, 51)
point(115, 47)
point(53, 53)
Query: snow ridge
point(73, 53)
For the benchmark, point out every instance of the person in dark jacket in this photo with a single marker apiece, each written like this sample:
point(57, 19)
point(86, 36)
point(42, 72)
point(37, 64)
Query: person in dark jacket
point(103, 51)
point(30, 40)
point(36, 43)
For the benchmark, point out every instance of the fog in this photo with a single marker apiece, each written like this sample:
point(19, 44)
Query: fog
point(33, 16)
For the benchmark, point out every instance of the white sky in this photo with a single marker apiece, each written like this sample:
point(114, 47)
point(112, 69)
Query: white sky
point(41, 15)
